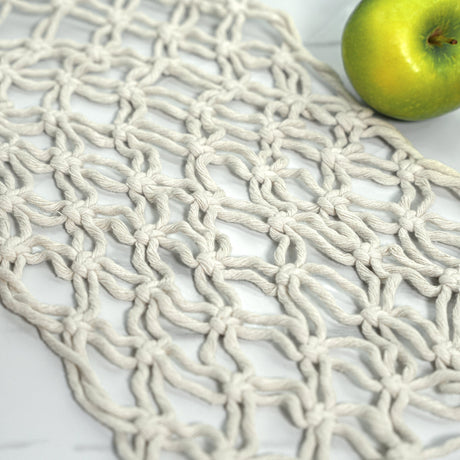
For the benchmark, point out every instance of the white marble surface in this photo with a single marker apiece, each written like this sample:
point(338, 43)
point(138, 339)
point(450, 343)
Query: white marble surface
point(38, 417)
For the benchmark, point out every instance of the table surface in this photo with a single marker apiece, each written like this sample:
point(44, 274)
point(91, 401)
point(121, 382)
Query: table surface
point(38, 416)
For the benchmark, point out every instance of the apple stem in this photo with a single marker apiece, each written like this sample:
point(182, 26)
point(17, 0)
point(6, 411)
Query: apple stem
point(437, 38)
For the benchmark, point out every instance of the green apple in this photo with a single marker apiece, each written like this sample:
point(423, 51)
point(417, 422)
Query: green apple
point(403, 56)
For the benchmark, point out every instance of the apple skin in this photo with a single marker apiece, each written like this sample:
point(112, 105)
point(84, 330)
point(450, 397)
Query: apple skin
point(391, 63)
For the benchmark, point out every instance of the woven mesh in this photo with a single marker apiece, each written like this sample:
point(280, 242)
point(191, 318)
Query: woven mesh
point(179, 168)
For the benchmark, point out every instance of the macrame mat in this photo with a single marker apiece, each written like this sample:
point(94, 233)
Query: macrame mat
point(250, 254)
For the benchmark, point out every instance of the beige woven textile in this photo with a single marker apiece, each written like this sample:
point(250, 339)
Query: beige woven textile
point(183, 170)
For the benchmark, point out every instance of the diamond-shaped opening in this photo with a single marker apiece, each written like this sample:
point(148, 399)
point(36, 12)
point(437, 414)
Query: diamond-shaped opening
point(172, 165)
point(57, 292)
point(262, 77)
point(141, 45)
point(176, 84)
point(156, 11)
point(100, 113)
point(165, 120)
point(18, 23)
point(276, 433)
point(46, 63)
point(445, 203)
point(207, 24)
point(228, 181)
point(178, 211)
point(45, 187)
point(23, 99)
point(302, 159)
point(113, 74)
point(114, 311)
point(341, 449)
point(433, 430)
point(119, 253)
point(40, 141)
point(75, 29)
point(192, 410)
point(113, 378)
point(268, 359)
point(377, 148)
point(346, 388)
point(199, 63)
point(259, 29)
point(55, 233)
point(222, 358)
point(298, 190)
point(407, 296)
point(109, 153)
point(383, 194)
point(254, 300)
point(183, 276)
point(245, 241)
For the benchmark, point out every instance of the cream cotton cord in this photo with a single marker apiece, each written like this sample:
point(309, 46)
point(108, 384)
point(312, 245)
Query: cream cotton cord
point(199, 97)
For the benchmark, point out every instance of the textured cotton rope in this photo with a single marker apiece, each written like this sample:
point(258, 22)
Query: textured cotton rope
point(114, 189)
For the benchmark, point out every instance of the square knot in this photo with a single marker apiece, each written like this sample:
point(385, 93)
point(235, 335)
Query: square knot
point(121, 131)
point(97, 54)
point(404, 451)
point(201, 109)
point(53, 119)
point(145, 291)
point(200, 147)
point(236, 7)
point(448, 354)
point(367, 252)
point(394, 384)
point(317, 414)
point(235, 87)
point(313, 350)
point(410, 221)
point(152, 427)
point(408, 170)
point(66, 79)
point(331, 201)
point(225, 48)
point(282, 58)
point(11, 249)
point(451, 278)
point(349, 120)
point(238, 387)
point(138, 181)
point(286, 272)
point(63, 5)
point(64, 161)
point(152, 350)
point(168, 33)
point(74, 323)
point(37, 45)
point(372, 315)
point(77, 213)
point(223, 320)
point(205, 199)
point(331, 156)
point(84, 263)
point(271, 132)
point(209, 263)
point(119, 17)
point(281, 221)
point(10, 200)
point(263, 173)
point(131, 92)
